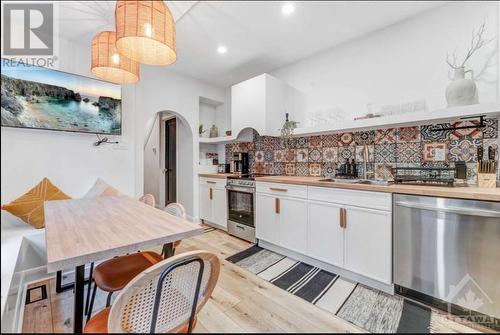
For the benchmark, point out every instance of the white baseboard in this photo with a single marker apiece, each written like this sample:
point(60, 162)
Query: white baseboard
point(328, 267)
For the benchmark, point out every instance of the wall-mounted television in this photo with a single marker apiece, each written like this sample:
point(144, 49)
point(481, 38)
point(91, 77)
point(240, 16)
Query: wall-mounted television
point(42, 98)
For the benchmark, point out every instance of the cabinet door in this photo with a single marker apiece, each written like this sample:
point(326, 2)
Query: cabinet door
point(325, 235)
point(266, 219)
point(368, 240)
point(205, 202)
point(219, 207)
point(293, 224)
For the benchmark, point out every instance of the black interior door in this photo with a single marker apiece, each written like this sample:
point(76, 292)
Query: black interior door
point(170, 161)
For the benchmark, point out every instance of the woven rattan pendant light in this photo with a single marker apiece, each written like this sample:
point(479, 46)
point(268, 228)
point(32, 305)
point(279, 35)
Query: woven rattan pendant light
point(145, 31)
point(108, 64)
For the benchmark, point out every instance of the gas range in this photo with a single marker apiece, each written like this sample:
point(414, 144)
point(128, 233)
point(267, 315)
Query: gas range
point(245, 180)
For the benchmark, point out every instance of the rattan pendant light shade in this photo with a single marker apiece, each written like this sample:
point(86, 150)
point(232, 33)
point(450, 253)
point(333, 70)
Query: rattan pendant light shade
point(108, 64)
point(145, 31)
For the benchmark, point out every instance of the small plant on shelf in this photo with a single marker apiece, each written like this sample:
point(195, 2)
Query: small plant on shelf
point(287, 131)
point(201, 131)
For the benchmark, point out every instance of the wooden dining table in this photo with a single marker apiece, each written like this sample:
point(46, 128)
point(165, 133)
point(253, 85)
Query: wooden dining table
point(82, 231)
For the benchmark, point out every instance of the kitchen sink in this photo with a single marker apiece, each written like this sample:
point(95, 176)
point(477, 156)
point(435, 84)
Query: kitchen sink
point(356, 181)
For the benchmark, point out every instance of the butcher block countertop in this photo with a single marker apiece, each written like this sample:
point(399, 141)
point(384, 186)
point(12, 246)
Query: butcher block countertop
point(217, 175)
point(471, 192)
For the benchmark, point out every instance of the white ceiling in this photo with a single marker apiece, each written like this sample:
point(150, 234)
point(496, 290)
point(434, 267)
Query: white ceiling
point(259, 38)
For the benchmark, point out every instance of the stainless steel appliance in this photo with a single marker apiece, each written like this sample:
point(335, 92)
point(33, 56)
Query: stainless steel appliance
point(447, 248)
point(241, 207)
point(241, 162)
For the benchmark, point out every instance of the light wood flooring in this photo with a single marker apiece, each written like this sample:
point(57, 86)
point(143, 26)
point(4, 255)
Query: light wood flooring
point(242, 302)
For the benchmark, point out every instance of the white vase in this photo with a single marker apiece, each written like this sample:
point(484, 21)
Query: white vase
point(461, 91)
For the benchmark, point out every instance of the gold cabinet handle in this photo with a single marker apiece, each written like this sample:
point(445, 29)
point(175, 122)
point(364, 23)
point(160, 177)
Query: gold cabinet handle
point(341, 218)
point(278, 189)
point(277, 207)
point(211, 194)
point(344, 218)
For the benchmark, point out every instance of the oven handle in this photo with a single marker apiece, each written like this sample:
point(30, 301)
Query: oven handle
point(249, 190)
point(453, 210)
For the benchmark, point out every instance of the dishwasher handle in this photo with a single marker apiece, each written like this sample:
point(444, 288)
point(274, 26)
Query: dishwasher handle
point(453, 210)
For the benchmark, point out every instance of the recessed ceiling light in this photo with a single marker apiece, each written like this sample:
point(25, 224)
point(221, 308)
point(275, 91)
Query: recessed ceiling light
point(287, 8)
point(222, 49)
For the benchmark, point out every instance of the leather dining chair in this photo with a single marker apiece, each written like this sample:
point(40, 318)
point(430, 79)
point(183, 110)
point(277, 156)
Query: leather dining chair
point(164, 298)
point(114, 274)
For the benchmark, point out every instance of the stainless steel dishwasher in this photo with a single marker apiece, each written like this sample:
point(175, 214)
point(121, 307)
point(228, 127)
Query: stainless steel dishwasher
point(449, 249)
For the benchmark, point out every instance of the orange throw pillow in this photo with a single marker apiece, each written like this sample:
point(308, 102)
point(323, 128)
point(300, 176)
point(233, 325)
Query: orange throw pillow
point(29, 206)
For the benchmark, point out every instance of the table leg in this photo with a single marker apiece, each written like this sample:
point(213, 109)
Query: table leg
point(169, 249)
point(79, 293)
point(59, 285)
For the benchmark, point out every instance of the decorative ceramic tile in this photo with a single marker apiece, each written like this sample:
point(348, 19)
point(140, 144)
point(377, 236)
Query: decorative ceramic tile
point(330, 154)
point(279, 155)
point(384, 171)
point(302, 142)
point(278, 168)
point(346, 139)
point(314, 141)
point(435, 133)
point(259, 167)
point(431, 164)
point(289, 143)
point(364, 137)
point(385, 153)
point(259, 144)
point(269, 156)
point(290, 169)
point(302, 169)
point(464, 150)
point(360, 156)
point(408, 152)
point(259, 156)
point(330, 140)
point(346, 153)
point(268, 168)
point(435, 152)
point(491, 142)
point(370, 167)
point(385, 136)
point(302, 155)
point(329, 170)
point(459, 134)
point(315, 169)
point(315, 155)
point(251, 146)
point(268, 142)
point(491, 129)
point(289, 155)
point(408, 134)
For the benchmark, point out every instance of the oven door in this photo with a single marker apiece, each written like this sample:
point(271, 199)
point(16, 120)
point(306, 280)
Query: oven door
point(241, 205)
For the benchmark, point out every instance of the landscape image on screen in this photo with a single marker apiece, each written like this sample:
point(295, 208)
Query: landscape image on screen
point(37, 97)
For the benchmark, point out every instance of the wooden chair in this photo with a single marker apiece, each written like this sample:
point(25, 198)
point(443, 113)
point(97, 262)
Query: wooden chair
point(114, 274)
point(163, 298)
point(175, 209)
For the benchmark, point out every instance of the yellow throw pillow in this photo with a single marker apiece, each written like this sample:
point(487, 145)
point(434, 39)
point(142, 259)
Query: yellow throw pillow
point(29, 206)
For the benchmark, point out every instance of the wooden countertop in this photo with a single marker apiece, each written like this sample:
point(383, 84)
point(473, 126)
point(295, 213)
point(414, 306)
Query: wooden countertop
point(474, 193)
point(217, 175)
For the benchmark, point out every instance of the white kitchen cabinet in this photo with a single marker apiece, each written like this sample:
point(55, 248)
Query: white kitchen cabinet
point(261, 103)
point(213, 202)
point(368, 243)
point(282, 221)
point(325, 234)
point(266, 219)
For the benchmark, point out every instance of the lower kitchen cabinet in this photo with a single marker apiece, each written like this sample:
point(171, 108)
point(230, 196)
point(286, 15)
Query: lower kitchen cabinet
point(325, 235)
point(213, 204)
point(282, 221)
point(368, 243)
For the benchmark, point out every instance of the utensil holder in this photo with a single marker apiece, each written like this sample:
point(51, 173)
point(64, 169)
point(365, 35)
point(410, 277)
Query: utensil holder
point(487, 180)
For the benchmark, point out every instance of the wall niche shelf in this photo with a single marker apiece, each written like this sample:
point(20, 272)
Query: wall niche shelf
point(402, 120)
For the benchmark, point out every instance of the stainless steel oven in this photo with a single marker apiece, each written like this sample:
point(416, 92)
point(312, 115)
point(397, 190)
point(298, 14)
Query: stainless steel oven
point(241, 208)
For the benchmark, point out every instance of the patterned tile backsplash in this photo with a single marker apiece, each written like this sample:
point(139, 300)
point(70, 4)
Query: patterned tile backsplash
point(427, 146)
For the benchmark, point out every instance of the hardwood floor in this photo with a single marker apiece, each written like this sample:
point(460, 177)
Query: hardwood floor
point(242, 302)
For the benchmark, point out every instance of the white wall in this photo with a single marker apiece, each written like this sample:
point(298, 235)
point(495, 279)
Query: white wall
point(68, 159)
point(401, 63)
point(161, 89)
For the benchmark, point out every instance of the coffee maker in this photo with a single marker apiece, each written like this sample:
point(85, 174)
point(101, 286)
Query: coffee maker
point(241, 163)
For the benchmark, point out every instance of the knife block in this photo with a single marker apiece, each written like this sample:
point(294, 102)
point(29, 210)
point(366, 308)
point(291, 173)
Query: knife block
point(486, 180)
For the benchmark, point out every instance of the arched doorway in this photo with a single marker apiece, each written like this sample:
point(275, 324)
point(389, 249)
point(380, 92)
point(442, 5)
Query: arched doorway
point(168, 160)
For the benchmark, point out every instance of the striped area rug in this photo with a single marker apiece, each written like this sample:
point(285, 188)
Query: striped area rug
point(365, 307)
